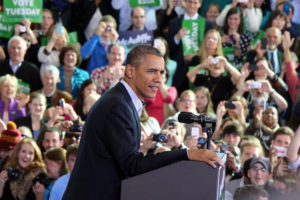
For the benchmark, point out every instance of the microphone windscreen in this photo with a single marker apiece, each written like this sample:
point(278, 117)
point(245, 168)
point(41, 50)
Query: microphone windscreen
point(185, 117)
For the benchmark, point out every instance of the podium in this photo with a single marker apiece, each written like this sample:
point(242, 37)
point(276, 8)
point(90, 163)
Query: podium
point(190, 180)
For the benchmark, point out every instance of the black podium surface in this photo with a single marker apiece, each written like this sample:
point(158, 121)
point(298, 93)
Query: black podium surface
point(184, 180)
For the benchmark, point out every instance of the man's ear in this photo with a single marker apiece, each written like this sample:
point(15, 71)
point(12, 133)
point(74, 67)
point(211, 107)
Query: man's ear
point(129, 71)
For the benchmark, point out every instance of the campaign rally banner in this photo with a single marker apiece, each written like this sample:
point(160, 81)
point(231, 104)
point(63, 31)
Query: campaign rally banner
point(134, 38)
point(195, 32)
point(6, 29)
point(16, 10)
point(144, 3)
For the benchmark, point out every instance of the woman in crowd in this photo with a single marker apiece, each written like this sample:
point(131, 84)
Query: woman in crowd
point(277, 19)
point(35, 121)
point(46, 25)
point(203, 101)
point(234, 36)
point(71, 77)
point(10, 108)
point(212, 12)
point(27, 160)
point(211, 46)
point(49, 54)
point(57, 166)
point(219, 85)
point(87, 87)
point(252, 14)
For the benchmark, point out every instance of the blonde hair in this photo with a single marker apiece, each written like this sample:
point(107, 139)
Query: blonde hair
point(188, 93)
point(37, 160)
point(202, 50)
point(209, 108)
point(11, 78)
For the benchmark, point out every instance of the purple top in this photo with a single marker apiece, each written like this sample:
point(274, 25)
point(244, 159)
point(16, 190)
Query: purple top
point(13, 111)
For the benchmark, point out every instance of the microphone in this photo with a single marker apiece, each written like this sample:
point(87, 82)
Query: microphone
point(188, 118)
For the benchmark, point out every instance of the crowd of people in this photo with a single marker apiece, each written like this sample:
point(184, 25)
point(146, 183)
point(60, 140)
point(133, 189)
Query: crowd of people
point(245, 76)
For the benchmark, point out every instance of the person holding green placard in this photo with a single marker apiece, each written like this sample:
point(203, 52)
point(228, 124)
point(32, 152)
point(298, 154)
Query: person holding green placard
point(175, 35)
point(48, 55)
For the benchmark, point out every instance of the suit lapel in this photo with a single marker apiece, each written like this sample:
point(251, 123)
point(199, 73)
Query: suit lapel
point(124, 92)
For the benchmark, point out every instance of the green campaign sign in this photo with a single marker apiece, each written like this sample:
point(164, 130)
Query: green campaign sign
point(6, 29)
point(16, 10)
point(72, 39)
point(195, 32)
point(144, 3)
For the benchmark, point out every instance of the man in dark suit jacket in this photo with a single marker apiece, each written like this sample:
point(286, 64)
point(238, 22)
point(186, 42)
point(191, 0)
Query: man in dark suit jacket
point(108, 152)
point(273, 54)
point(17, 66)
point(175, 33)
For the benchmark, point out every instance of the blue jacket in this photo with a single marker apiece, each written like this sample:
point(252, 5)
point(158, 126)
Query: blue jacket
point(94, 49)
point(78, 78)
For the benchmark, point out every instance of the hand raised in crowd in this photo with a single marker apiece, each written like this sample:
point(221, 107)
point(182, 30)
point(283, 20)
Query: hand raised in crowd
point(22, 98)
point(114, 35)
point(234, 3)
point(173, 140)
point(226, 39)
point(287, 42)
point(250, 4)
point(231, 162)
point(259, 51)
point(101, 28)
point(171, 6)
point(266, 86)
point(181, 33)
point(147, 142)
point(3, 178)
point(17, 29)
point(27, 24)
point(38, 190)
point(245, 72)
point(221, 110)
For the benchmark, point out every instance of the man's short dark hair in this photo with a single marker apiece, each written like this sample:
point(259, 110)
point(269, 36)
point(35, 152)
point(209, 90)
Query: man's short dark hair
point(233, 128)
point(250, 192)
point(72, 150)
point(284, 130)
point(137, 55)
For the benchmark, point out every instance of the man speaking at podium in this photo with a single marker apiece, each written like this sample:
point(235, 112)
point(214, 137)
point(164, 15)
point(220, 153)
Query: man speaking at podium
point(108, 151)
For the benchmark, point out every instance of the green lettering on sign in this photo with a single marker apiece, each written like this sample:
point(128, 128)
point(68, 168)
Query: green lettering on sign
point(195, 32)
point(16, 10)
point(144, 3)
point(6, 29)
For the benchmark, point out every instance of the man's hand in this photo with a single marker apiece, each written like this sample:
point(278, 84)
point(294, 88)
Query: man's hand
point(181, 33)
point(206, 156)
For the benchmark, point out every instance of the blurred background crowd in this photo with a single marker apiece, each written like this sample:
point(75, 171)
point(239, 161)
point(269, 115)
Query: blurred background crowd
point(245, 76)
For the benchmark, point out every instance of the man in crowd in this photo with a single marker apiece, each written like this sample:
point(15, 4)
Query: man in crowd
point(137, 18)
point(17, 66)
